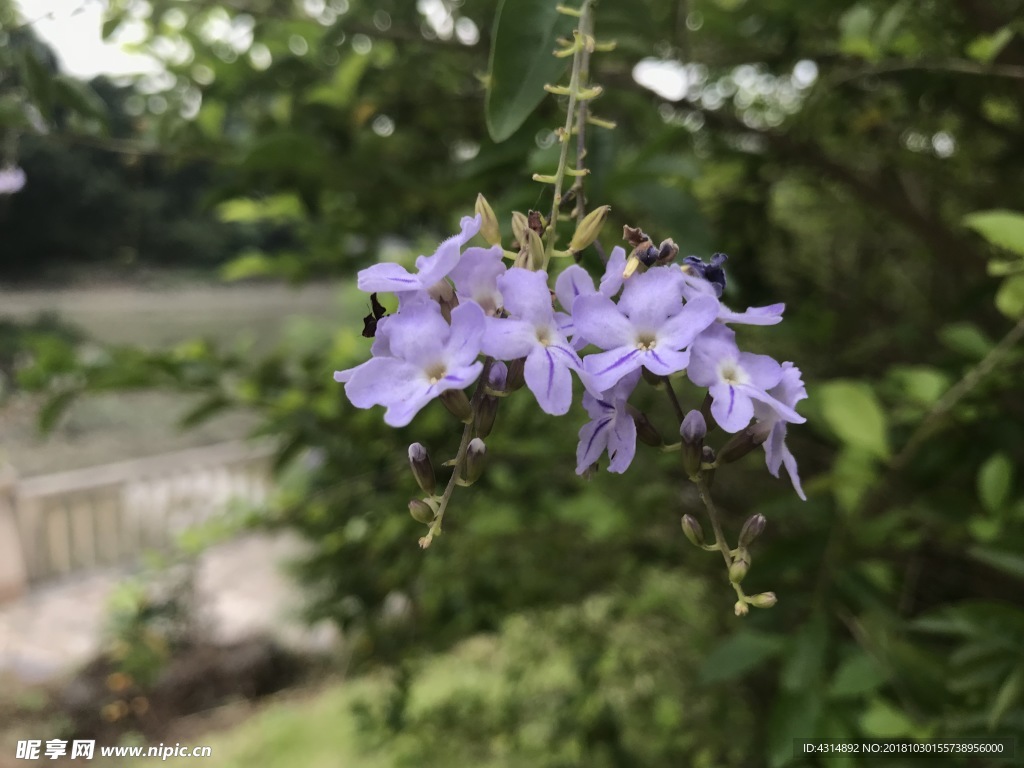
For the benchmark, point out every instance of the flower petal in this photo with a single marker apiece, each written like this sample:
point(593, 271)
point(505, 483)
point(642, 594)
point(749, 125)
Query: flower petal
point(764, 372)
point(600, 322)
point(770, 315)
point(731, 407)
point(574, 281)
point(606, 369)
point(418, 334)
point(680, 330)
point(526, 295)
point(384, 381)
point(549, 380)
point(715, 345)
point(665, 362)
point(387, 278)
point(506, 339)
point(437, 266)
point(650, 298)
point(476, 277)
point(622, 443)
point(467, 330)
point(612, 280)
point(593, 440)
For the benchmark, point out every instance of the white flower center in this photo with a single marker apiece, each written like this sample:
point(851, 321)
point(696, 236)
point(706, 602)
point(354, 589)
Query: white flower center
point(544, 335)
point(732, 374)
point(436, 372)
point(646, 341)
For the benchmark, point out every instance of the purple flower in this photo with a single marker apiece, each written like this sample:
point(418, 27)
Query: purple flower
point(695, 285)
point(476, 277)
point(789, 391)
point(735, 379)
point(575, 281)
point(649, 327)
point(611, 428)
point(425, 356)
point(394, 278)
point(532, 332)
point(12, 179)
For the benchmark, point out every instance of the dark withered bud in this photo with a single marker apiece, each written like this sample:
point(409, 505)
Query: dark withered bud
point(645, 431)
point(692, 431)
point(515, 378)
point(705, 411)
point(740, 566)
point(693, 530)
point(421, 512)
point(476, 459)
point(422, 469)
point(740, 444)
point(536, 222)
point(457, 403)
point(486, 411)
point(667, 252)
point(763, 600)
point(752, 529)
point(634, 235)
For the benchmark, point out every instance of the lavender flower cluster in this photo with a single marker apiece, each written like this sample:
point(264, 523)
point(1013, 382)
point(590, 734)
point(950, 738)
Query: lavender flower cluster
point(464, 303)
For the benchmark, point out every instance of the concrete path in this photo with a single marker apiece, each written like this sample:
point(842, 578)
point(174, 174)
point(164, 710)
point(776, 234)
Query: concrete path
point(241, 591)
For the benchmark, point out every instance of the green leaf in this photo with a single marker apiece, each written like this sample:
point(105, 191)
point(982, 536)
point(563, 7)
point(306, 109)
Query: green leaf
point(995, 478)
point(342, 88)
point(1008, 695)
point(855, 33)
point(806, 659)
point(985, 48)
point(889, 23)
point(857, 675)
point(1011, 563)
point(80, 97)
point(741, 653)
point(967, 339)
point(884, 721)
point(54, 408)
point(794, 716)
point(38, 82)
point(1010, 297)
point(999, 227)
point(521, 63)
point(852, 411)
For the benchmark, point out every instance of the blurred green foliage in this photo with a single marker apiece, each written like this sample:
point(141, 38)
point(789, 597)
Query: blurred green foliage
point(858, 160)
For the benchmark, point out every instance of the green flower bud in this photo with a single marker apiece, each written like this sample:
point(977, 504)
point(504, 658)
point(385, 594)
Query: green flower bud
point(740, 566)
point(422, 469)
point(515, 379)
point(645, 431)
point(740, 609)
point(489, 229)
point(476, 459)
point(752, 529)
point(520, 226)
point(693, 530)
point(763, 600)
point(457, 403)
point(741, 444)
point(421, 511)
point(486, 411)
point(535, 249)
point(588, 229)
point(707, 456)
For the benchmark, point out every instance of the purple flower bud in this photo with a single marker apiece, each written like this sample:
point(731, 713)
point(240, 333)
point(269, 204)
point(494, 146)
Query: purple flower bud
point(422, 469)
point(693, 530)
point(752, 529)
point(694, 428)
point(476, 458)
point(12, 179)
point(497, 376)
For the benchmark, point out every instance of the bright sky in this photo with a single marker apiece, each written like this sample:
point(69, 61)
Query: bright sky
point(73, 28)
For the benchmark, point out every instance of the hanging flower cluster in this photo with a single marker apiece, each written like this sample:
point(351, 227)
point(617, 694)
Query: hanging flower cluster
point(461, 305)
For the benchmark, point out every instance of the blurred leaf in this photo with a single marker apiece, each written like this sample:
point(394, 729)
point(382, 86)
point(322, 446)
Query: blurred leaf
point(999, 227)
point(38, 81)
point(852, 411)
point(855, 33)
point(882, 720)
point(342, 88)
point(795, 715)
point(985, 48)
point(739, 654)
point(922, 384)
point(1011, 563)
point(1009, 694)
point(80, 97)
point(521, 63)
point(995, 478)
point(276, 208)
point(1010, 297)
point(857, 675)
point(54, 408)
point(984, 529)
point(967, 339)
point(805, 662)
point(889, 23)
point(208, 408)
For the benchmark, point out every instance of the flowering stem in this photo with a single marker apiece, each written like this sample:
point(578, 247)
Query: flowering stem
point(570, 114)
point(587, 30)
point(720, 543)
point(460, 459)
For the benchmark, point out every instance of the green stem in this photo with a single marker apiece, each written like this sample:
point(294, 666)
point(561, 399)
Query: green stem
point(587, 30)
point(570, 114)
point(720, 543)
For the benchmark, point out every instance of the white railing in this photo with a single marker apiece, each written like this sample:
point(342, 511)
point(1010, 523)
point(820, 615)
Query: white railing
point(53, 525)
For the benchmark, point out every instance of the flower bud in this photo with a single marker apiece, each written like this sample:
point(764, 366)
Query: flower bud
point(740, 566)
point(515, 379)
point(707, 456)
point(422, 469)
point(486, 411)
point(645, 431)
point(520, 226)
point(667, 252)
point(476, 458)
point(489, 229)
point(752, 529)
point(740, 609)
point(421, 511)
point(692, 431)
point(535, 249)
point(457, 403)
point(763, 600)
point(588, 229)
point(740, 444)
point(693, 530)
point(497, 376)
